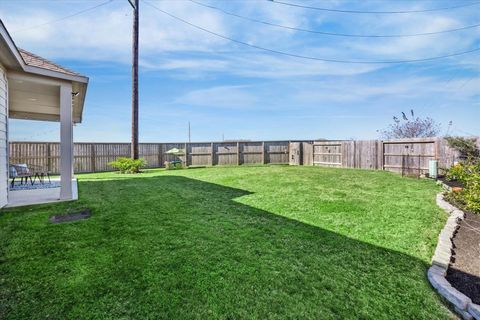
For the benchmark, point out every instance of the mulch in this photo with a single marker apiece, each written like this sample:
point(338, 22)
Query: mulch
point(464, 272)
point(451, 184)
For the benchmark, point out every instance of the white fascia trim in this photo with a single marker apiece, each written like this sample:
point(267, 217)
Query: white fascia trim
point(54, 74)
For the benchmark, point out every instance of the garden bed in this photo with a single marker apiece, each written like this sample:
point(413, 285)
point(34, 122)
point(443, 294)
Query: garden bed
point(451, 183)
point(464, 272)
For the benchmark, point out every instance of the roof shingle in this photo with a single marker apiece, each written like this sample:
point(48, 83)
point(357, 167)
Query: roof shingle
point(37, 61)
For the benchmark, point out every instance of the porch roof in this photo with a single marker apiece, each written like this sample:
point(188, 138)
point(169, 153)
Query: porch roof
point(34, 83)
point(37, 61)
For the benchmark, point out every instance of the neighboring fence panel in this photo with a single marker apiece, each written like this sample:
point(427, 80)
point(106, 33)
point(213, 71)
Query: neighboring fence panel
point(31, 153)
point(276, 152)
point(227, 153)
point(366, 154)
point(307, 153)
point(408, 156)
point(348, 154)
point(108, 152)
point(252, 153)
point(94, 157)
point(295, 154)
point(327, 153)
point(199, 154)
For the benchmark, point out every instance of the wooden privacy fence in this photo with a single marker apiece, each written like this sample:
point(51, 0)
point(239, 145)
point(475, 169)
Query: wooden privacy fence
point(409, 156)
point(406, 156)
point(94, 157)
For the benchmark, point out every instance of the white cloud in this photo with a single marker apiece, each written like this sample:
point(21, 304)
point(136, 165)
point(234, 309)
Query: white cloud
point(418, 47)
point(105, 34)
point(252, 65)
point(188, 64)
point(294, 99)
point(355, 91)
point(220, 97)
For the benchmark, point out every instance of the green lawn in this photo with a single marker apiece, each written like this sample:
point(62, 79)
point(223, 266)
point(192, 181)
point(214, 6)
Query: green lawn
point(266, 242)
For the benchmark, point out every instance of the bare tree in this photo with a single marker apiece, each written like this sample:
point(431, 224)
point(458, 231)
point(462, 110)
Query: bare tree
point(413, 127)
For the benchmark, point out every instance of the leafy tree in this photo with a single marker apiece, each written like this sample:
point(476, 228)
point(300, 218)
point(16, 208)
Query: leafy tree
point(413, 127)
point(466, 146)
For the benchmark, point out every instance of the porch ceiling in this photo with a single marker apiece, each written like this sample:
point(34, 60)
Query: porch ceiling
point(32, 98)
point(33, 101)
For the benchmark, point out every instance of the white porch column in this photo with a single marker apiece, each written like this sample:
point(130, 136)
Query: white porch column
point(66, 141)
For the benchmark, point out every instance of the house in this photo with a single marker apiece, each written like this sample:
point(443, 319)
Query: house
point(34, 88)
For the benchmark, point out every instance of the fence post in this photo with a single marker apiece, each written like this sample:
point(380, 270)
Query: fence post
point(437, 148)
point(354, 153)
point(379, 155)
point(238, 153)
point(212, 154)
point(263, 152)
point(186, 154)
point(159, 155)
point(383, 155)
point(49, 159)
point(92, 157)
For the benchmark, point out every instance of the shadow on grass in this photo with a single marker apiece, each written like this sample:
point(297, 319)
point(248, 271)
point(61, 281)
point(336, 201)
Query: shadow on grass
point(174, 248)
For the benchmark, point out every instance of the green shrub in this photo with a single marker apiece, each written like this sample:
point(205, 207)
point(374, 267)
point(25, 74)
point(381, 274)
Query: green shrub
point(128, 165)
point(457, 172)
point(468, 198)
point(466, 146)
point(471, 195)
point(467, 172)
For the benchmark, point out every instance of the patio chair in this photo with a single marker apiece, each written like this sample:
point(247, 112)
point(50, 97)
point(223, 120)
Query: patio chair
point(21, 171)
point(40, 172)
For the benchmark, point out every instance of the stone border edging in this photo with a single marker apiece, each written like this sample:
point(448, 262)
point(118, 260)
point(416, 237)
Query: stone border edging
point(441, 260)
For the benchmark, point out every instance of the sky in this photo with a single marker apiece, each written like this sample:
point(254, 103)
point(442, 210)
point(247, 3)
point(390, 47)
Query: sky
point(229, 90)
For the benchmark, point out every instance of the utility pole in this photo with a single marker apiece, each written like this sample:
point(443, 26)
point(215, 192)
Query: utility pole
point(134, 148)
point(189, 133)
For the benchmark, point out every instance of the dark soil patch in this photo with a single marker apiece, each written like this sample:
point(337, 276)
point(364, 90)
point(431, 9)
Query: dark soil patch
point(464, 273)
point(85, 214)
point(451, 183)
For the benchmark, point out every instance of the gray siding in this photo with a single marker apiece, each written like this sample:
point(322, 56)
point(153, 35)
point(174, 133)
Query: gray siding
point(3, 138)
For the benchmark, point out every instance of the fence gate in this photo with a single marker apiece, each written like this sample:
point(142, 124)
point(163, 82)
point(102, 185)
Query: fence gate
point(295, 154)
point(327, 154)
point(408, 157)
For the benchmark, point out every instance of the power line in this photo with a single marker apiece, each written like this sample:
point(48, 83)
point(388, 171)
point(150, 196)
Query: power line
point(446, 84)
point(66, 17)
point(465, 83)
point(303, 56)
point(373, 12)
point(331, 33)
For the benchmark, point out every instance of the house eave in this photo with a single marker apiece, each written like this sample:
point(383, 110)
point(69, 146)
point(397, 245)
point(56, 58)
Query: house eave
point(12, 59)
point(55, 74)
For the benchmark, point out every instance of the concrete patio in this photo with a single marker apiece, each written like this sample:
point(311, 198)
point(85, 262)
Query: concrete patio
point(39, 194)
